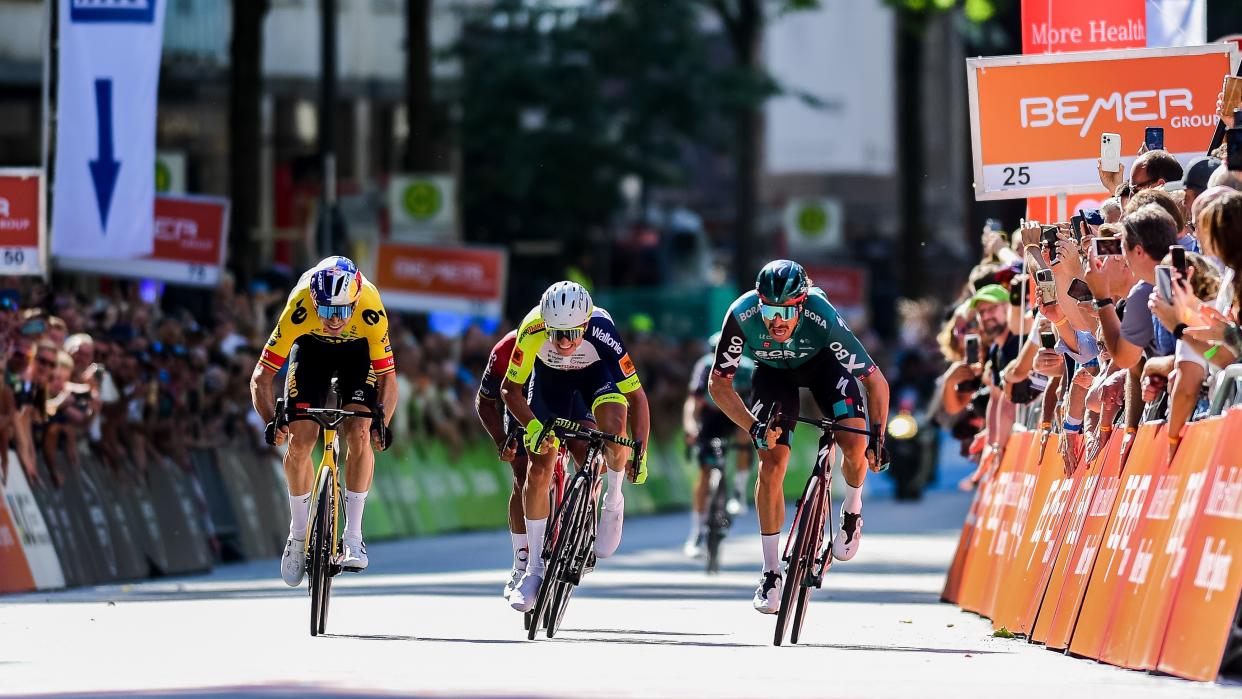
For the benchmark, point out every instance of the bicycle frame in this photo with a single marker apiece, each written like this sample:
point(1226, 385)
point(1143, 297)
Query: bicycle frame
point(329, 470)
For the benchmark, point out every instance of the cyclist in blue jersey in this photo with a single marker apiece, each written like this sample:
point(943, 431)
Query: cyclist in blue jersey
point(799, 340)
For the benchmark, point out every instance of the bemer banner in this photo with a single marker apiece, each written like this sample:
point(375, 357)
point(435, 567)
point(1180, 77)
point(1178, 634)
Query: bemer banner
point(1036, 121)
point(109, 75)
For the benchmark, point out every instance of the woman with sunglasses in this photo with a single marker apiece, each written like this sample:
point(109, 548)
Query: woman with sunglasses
point(336, 318)
point(571, 353)
point(798, 340)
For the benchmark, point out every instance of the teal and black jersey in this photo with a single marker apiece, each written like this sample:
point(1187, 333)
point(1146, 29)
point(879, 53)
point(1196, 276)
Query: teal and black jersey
point(820, 329)
point(702, 372)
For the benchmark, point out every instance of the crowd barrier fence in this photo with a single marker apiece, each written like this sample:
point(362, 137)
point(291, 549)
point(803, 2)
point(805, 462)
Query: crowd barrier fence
point(106, 526)
point(1129, 560)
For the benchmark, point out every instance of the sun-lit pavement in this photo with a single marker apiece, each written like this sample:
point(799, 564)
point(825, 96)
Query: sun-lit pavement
point(428, 619)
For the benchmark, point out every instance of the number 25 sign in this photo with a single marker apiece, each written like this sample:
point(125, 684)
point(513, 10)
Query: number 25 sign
point(1036, 121)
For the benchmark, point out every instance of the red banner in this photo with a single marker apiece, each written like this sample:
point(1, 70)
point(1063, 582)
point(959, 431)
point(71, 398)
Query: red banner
point(846, 287)
point(1052, 26)
point(468, 280)
point(21, 221)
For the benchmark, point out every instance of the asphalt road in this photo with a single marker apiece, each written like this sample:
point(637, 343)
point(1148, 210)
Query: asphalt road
point(428, 619)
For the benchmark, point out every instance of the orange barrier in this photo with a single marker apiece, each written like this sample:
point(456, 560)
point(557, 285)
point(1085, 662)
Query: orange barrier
point(1207, 593)
point(1129, 563)
point(1027, 569)
point(1086, 479)
point(1147, 459)
point(953, 580)
point(981, 561)
point(1145, 596)
point(15, 573)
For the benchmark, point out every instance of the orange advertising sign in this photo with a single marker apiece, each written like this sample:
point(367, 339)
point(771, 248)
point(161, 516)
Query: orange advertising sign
point(460, 279)
point(1036, 121)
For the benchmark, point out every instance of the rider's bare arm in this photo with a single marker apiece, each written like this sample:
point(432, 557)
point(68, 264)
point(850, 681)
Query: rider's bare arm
point(690, 415)
point(515, 401)
point(261, 393)
point(640, 416)
point(875, 388)
point(727, 399)
point(491, 415)
point(386, 387)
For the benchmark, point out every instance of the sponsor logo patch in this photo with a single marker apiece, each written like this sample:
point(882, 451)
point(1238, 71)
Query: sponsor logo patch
point(627, 365)
point(299, 314)
point(606, 338)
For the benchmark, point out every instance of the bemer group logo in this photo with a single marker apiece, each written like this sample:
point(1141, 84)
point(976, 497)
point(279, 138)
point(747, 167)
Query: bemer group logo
point(127, 11)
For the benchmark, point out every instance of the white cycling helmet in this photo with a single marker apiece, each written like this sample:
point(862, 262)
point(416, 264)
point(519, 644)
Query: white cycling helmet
point(566, 305)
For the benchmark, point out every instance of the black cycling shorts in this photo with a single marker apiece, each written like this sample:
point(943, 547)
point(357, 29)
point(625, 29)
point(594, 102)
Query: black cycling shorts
point(713, 424)
point(313, 363)
point(836, 391)
point(571, 394)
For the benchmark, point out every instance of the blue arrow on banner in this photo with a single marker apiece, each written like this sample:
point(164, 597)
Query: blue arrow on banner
point(105, 168)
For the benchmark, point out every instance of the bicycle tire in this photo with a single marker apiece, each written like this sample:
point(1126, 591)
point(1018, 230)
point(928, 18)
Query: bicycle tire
point(326, 597)
point(558, 558)
point(717, 523)
point(795, 568)
point(318, 560)
point(811, 534)
point(579, 549)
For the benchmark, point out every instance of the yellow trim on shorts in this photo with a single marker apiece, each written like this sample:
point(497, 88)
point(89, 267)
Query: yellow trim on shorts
point(609, 398)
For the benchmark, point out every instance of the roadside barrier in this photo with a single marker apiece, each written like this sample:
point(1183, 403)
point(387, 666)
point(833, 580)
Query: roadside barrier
point(1129, 561)
point(105, 526)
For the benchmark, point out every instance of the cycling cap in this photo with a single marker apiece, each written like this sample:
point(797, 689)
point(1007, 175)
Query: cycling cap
point(566, 305)
point(335, 282)
point(782, 283)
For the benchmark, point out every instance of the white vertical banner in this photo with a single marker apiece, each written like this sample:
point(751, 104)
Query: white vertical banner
point(104, 192)
point(1176, 23)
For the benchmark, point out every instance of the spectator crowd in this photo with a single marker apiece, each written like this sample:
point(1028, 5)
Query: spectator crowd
point(1090, 326)
point(131, 378)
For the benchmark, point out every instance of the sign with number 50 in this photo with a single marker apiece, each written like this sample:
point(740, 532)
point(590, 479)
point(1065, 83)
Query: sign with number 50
point(22, 221)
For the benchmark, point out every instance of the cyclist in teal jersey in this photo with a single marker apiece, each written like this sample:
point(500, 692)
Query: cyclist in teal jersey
point(799, 340)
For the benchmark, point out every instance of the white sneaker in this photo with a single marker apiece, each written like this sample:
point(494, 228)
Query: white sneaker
point(355, 556)
point(768, 594)
point(293, 561)
point(609, 536)
point(845, 543)
point(515, 576)
point(523, 596)
point(694, 545)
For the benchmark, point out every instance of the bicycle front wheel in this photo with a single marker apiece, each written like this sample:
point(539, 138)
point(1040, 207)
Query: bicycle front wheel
point(561, 551)
point(320, 551)
point(717, 519)
point(811, 534)
point(798, 564)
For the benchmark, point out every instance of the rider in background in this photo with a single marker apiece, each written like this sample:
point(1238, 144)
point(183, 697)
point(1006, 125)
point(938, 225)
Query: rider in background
point(703, 421)
point(799, 340)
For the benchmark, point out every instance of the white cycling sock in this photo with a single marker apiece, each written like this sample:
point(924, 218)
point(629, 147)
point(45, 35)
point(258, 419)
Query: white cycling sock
point(853, 499)
point(520, 550)
point(354, 504)
point(741, 479)
point(298, 514)
point(771, 551)
point(612, 496)
point(696, 521)
point(534, 539)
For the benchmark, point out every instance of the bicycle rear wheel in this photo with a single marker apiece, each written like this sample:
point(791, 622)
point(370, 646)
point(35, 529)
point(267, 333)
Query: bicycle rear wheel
point(320, 550)
point(566, 521)
point(717, 519)
point(812, 534)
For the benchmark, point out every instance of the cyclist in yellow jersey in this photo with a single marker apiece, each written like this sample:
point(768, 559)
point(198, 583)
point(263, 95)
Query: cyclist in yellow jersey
point(336, 321)
point(570, 349)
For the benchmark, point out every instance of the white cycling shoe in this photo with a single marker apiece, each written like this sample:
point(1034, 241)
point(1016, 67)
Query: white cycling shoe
point(693, 547)
point(608, 537)
point(515, 576)
point(845, 543)
point(293, 561)
point(355, 558)
point(768, 594)
point(523, 596)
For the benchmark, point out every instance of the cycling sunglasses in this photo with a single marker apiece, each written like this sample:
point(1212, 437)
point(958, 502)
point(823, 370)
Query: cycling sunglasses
point(572, 334)
point(782, 312)
point(335, 312)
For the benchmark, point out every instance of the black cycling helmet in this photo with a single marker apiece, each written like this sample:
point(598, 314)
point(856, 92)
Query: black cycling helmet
point(782, 283)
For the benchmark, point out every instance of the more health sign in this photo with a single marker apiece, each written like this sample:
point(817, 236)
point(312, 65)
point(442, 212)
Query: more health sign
point(462, 279)
point(22, 221)
point(1074, 25)
point(191, 236)
point(1036, 121)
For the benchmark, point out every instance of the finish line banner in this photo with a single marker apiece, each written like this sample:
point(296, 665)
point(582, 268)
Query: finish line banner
point(1036, 121)
point(105, 134)
point(191, 237)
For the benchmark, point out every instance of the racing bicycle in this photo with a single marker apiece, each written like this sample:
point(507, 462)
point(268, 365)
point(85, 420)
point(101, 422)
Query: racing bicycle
point(570, 551)
point(323, 544)
point(719, 520)
point(556, 493)
point(806, 557)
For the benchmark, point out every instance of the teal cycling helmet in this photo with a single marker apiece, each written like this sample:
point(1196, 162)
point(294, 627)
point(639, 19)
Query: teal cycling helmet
point(782, 283)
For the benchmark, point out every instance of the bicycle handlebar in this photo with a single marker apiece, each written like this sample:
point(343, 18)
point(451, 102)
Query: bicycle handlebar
point(574, 430)
point(328, 418)
point(822, 423)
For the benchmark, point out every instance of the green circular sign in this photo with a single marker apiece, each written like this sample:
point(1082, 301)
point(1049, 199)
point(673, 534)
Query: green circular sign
point(163, 176)
point(422, 200)
point(812, 220)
